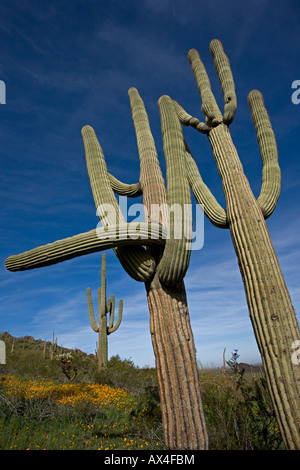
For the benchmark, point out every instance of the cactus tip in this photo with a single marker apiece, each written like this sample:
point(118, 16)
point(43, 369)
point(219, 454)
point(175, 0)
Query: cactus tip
point(215, 43)
point(255, 95)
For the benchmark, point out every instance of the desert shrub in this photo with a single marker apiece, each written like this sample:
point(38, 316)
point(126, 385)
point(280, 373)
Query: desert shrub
point(122, 373)
point(239, 412)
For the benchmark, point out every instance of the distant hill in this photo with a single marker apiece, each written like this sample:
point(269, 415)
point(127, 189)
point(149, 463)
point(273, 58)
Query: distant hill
point(29, 342)
point(250, 368)
point(31, 357)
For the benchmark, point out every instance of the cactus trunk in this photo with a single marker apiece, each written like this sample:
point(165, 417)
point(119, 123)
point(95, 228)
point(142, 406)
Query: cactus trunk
point(172, 338)
point(271, 311)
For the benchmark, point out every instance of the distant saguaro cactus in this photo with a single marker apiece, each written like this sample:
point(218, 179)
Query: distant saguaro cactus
point(271, 310)
point(53, 347)
point(104, 307)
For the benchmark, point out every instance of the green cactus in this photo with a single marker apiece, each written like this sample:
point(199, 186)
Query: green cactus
point(53, 347)
point(104, 307)
point(271, 310)
point(156, 257)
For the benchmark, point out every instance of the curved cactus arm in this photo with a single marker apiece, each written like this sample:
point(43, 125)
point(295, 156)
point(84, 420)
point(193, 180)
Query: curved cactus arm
point(223, 69)
point(271, 174)
point(99, 181)
point(143, 262)
point(91, 311)
point(176, 257)
point(130, 190)
point(151, 179)
point(209, 105)
point(212, 209)
point(187, 120)
point(99, 239)
point(113, 327)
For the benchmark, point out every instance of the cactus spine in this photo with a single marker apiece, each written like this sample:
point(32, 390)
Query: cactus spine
point(104, 307)
point(271, 310)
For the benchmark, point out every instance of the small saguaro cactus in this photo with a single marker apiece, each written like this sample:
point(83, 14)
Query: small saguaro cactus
point(271, 311)
point(104, 307)
point(53, 347)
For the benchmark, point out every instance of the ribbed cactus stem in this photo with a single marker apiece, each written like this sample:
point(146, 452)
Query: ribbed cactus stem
point(212, 209)
point(271, 174)
point(111, 326)
point(151, 179)
point(174, 348)
point(91, 311)
point(176, 257)
point(138, 263)
point(99, 239)
point(105, 327)
point(223, 69)
point(187, 120)
point(130, 190)
point(209, 104)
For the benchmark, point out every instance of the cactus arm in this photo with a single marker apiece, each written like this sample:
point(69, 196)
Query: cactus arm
point(212, 209)
point(111, 327)
point(187, 120)
point(151, 179)
point(223, 69)
point(99, 239)
point(209, 105)
point(175, 260)
point(98, 176)
point(130, 190)
point(137, 262)
point(271, 174)
point(91, 311)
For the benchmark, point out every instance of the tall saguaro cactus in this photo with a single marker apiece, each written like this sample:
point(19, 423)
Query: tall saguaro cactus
point(104, 307)
point(271, 310)
point(161, 262)
point(153, 254)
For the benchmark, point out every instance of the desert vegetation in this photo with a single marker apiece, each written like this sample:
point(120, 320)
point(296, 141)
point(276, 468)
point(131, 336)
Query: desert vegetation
point(119, 407)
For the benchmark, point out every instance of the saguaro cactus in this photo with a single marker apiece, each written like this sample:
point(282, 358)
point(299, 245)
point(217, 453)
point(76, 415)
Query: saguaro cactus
point(104, 307)
point(271, 310)
point(150, 252)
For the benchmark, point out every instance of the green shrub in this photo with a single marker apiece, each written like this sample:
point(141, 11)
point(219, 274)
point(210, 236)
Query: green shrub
point(239, 411)
point(122, 373)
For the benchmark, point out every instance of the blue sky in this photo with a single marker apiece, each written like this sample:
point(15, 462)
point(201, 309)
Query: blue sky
point(68, 64)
